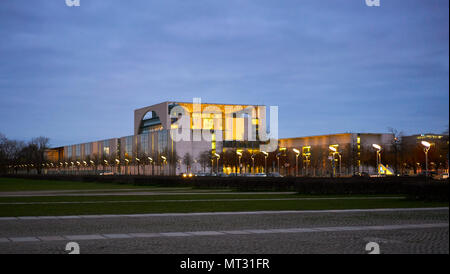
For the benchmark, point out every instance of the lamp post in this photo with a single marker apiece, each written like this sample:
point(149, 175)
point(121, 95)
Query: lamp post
point(340, 164)
point(297, 153)
point(378, 148)
point(150, 160)
point(78, 167)
point(278, 161)
point(426, 147)
point(217, 162)
point(239, 154)
point(92, 165)
point(138, 161)
point(163, 163)
point(306, 164)
point(253, 163)
point(127, 167)
point(265, 160)
point(334, 150)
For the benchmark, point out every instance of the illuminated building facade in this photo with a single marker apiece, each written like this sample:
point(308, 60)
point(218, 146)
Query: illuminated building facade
point(176, 137)
point(207, 128)
point(351, 152)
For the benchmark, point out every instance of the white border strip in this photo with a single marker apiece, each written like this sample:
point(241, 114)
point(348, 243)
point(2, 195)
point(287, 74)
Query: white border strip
point(28, 239)
point(24, 218)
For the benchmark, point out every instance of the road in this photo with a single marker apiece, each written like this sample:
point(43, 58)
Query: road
point(335, 231)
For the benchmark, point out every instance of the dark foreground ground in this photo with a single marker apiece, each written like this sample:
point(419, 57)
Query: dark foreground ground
point(346, 231)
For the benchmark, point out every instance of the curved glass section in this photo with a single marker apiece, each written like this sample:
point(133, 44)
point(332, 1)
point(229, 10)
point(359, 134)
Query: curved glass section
point(150, 122)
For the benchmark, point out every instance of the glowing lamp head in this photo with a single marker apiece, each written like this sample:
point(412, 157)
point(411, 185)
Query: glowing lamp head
point(377, 147)
point(426, 144)
point(332, 148)
point(296, 151)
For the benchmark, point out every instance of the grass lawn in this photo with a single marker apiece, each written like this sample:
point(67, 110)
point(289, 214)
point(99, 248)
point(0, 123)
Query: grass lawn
point(18, 184)
point(157, 206)
point(179, 196)
point(171, 203)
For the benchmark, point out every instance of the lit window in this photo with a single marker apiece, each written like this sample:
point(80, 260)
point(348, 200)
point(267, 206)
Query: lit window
point(208, 123)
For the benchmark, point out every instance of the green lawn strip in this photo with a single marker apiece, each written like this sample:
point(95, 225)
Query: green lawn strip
point(207, 206)
point(18, 184)
point(183, 196)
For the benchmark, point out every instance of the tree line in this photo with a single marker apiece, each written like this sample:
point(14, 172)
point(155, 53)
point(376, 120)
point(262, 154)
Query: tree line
point(15, 153)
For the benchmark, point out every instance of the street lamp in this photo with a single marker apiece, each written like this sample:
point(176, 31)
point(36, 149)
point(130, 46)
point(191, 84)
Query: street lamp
point(138, 161)
point(265, 160)
point(334, 150)
point(218, 157)
point(278, 161)
point(378, 148)
point(239, 154)
point(253, 163)
point(297, 153)
point(426, 147)
point(164, 162)
point(150, 160)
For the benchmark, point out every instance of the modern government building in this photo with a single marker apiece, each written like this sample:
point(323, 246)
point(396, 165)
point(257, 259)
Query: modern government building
point(171, 138)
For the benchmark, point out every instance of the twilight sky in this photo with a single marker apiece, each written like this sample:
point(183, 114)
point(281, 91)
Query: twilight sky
point(76, 74)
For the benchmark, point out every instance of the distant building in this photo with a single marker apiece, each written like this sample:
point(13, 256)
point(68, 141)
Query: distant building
point(353, 149)
point(226, 127)
point(438, 155)
point(228, 138)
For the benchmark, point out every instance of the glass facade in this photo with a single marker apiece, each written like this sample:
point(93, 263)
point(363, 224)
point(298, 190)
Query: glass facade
point(106, 147)
point(144, 144)
point(129, 146)
point(87, 150)
point(78, 151)
point(162, 141)
point(69, 152)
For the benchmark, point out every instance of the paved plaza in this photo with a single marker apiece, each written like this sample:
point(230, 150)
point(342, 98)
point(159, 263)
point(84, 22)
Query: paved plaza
point(422, 230)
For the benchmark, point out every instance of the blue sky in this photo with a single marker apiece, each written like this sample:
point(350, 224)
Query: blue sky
point(76, 74)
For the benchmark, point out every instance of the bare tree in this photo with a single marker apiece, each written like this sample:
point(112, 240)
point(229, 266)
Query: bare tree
point(187, 161)
point(396, 145)
point(205, 159)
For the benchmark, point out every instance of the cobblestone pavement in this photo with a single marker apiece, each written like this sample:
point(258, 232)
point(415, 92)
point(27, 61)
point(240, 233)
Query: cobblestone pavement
point(346, 232)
